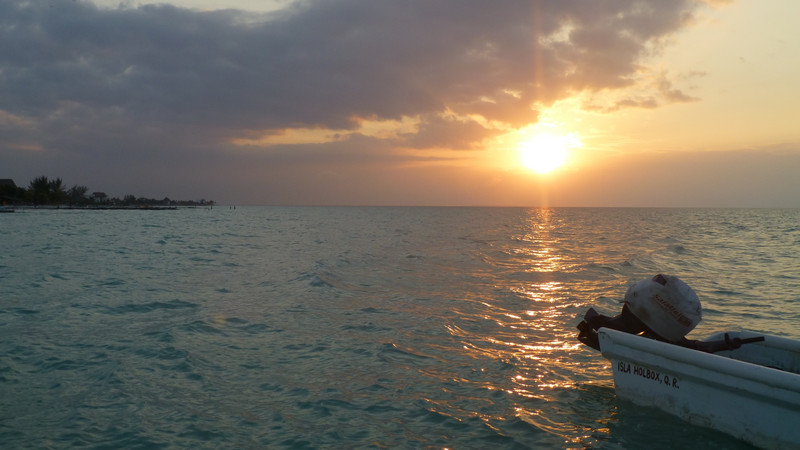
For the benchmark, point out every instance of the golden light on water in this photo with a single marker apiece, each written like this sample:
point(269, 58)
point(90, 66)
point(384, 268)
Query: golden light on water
point(522, 348)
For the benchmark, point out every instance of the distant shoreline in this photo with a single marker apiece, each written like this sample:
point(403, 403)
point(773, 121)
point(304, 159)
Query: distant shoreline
point(52, 194)
point(101, 207)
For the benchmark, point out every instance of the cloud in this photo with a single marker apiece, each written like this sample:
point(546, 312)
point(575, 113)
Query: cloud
point(657, 91)
point(160, 83)
point(318, 63)
point(447, 132)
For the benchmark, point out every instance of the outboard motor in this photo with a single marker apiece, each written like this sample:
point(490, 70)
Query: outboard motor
point(663, 308)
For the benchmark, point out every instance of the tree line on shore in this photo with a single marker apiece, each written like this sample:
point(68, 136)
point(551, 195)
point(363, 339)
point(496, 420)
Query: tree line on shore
point(45, 191)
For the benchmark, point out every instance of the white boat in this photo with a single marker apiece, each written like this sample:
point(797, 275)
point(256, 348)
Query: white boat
point(752, 393)
point(742, 383)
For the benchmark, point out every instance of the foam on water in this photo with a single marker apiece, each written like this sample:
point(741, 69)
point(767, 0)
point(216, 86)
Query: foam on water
point(340, 327)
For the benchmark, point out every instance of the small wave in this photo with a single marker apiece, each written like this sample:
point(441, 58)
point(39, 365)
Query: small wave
point(247, 327)
point(439, 417)
point(152, 306)
point(51, 364)
point(271, 387)
point(160, 336)
point(308, 348)
point(390, 352)
point(368, 327)
point(112, 282)
point(9, 375)
point(679, 249)
point(326, 280)
point(24, 311)
point(199, 259)
point(168, 353)
point(313, 279)
point(736, 227)
point(383, 407)
point(202, 327)
point(603, 267)
point(316, 281)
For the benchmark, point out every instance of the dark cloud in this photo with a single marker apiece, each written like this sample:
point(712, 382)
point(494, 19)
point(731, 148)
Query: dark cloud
point(443, 132)
point(159, 83)
point(320, 62)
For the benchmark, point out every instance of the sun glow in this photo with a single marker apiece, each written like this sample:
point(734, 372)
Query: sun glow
point(544, 152)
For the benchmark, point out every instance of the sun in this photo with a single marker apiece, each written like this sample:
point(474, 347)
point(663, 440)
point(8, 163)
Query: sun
point(544, 153)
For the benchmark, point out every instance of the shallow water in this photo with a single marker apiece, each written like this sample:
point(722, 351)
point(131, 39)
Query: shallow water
point(352, 327)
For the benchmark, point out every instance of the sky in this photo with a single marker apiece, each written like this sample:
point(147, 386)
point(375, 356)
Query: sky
point(686, 103)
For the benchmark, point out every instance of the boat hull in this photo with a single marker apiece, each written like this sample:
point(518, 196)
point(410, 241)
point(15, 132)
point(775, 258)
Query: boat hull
point(758, 404)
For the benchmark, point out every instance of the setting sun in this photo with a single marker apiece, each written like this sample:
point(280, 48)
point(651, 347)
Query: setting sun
point(544, 153)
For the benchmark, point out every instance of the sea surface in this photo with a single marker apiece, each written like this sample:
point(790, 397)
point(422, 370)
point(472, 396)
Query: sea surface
point(349, 327)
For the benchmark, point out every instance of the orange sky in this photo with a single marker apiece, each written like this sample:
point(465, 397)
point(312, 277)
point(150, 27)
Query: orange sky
point(685, 103)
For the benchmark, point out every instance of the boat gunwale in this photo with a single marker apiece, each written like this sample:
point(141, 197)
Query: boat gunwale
point(756, 373)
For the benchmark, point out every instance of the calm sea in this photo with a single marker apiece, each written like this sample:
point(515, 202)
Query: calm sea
point(284, 327)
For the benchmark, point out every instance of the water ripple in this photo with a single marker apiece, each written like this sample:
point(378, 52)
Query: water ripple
point(357, 327)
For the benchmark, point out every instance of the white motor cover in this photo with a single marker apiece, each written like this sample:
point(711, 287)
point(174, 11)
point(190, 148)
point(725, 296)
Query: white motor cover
point(665, 304)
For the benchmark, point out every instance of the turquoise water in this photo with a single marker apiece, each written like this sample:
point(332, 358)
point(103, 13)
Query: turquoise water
point(273, 327)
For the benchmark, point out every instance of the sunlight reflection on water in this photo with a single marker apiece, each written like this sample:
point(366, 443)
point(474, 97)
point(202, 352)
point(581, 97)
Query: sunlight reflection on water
point(554, 379)
point(533, 333)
